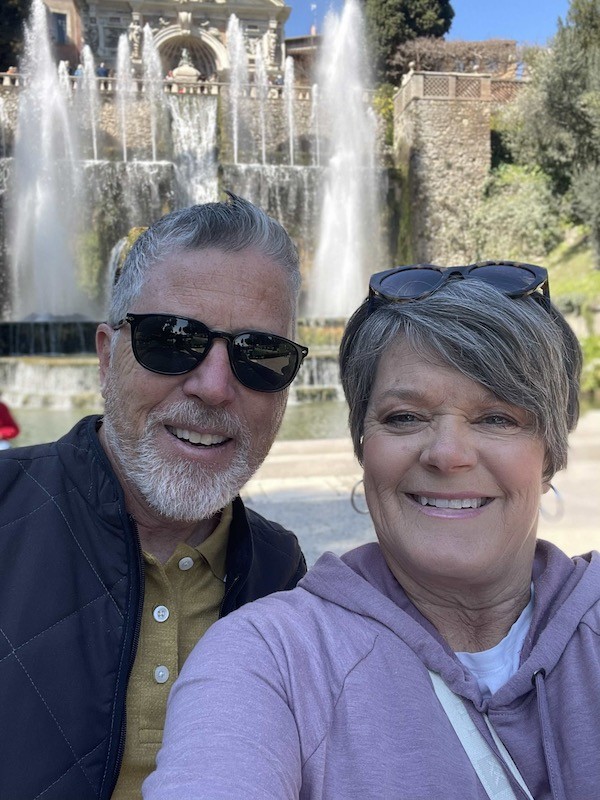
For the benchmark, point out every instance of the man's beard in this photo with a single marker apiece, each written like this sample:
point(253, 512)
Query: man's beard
point(176, 488)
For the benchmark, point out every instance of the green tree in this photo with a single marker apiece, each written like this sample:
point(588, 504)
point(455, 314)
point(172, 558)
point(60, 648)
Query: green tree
point(558, 118)
point(13, 14)
point(392, 22)
point(519, 217)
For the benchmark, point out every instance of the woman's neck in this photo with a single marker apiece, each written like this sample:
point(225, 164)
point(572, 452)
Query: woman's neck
point(472, 622)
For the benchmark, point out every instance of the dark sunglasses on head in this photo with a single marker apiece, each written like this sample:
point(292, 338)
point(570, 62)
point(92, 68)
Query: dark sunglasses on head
point(415, 282)
point(171, 345)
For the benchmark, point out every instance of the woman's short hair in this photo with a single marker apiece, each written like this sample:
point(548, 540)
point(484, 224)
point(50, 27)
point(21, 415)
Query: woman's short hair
point(230, 226)
point(522, 350)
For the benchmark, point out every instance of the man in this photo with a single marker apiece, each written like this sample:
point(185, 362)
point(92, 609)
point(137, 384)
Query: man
point(122, 542)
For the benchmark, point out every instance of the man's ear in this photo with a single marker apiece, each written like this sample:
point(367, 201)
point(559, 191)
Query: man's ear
point(104, 334)
point(546, 486)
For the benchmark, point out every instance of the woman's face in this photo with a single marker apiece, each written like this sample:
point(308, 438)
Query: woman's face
point(452, 475)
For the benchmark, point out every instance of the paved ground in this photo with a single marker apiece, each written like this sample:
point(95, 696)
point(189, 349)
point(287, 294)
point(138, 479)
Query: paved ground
point(306, 486)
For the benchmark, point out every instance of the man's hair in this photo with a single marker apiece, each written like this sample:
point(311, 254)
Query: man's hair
point(522, 350)
point(229, 226)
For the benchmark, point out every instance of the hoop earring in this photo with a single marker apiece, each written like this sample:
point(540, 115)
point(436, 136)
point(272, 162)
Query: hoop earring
point(559, 510)
point(353, 498)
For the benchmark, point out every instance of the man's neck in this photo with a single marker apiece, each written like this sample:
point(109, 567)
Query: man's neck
point(161, 541)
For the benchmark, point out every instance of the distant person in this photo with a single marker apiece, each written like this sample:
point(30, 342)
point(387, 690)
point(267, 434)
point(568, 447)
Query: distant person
point(459, 657)
point(78, 71)
point(102, 70)
point(8, 427)
point(121, 543)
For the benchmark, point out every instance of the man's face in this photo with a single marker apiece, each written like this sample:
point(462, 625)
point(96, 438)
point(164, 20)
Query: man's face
point(186, 444)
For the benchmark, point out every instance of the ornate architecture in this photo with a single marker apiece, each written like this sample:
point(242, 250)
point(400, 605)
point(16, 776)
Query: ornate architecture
point(198, 26)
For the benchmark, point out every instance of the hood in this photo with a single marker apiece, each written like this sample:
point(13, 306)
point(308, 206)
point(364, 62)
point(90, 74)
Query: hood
point(565, 589)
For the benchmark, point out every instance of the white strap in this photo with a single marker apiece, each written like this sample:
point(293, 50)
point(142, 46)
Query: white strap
point(484, 760)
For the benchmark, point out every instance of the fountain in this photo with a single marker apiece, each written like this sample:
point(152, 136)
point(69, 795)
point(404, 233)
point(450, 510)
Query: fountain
point(347, 245)
point(261, 81)
point(46, 190)
point(125, 89)
point(125, 151)
point(238, 81)
point(288, 101)
point(88, 102)
point(153, 85)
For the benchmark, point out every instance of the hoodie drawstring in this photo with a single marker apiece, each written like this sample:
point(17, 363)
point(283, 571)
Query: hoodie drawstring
point(552, 763)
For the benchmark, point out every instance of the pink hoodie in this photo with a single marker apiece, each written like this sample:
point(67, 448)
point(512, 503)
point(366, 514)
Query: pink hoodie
point(323, 693)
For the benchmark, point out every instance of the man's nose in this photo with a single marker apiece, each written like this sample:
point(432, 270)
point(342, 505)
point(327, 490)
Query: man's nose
point(212, 380)
point(450, 445)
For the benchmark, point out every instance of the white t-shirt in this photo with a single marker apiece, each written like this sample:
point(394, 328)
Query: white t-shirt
point(492, 668)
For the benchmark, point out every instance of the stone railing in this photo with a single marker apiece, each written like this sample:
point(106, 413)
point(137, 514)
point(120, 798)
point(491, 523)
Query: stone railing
point(108, 86)
point(454, 86)
point(9, 78)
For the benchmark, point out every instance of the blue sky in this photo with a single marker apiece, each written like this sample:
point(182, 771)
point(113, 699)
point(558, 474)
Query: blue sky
point(527, 21)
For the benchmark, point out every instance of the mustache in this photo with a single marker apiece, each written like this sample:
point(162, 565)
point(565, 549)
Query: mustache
point(192, 414)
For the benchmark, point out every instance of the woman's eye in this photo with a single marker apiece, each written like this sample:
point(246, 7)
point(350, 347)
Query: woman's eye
point(499, 421)
point(401, 418)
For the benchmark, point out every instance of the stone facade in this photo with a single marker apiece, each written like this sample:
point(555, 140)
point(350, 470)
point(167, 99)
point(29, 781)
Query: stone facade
point(198, 26)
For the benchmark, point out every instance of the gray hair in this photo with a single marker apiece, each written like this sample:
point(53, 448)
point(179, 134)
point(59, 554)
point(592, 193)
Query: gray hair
point(522, 350)
point(230, 226)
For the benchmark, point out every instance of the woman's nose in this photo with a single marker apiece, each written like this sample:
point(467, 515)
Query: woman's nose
point(450, 445)
point(212, 381)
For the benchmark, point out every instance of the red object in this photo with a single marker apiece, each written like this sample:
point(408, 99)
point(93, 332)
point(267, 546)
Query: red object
point(8, 427)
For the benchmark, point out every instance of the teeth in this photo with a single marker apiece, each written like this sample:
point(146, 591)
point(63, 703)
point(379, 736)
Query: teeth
point(439, 502)
point(193, 437)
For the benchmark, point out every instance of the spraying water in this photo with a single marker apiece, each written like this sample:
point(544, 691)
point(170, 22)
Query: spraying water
point(238, 79)
point(88, 101)
point(45, 195)
point(153, 85)
point(347, 248)
point(125, 88)
point(194, 131)
point(314, 124)
point(261, 82)
point(3, 128)
point(288, 100)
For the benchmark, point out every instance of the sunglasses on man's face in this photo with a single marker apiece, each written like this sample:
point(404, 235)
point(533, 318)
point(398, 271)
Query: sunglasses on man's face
point(415, 282)
point(171, 345)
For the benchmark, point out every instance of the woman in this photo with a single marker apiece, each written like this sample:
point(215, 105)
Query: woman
point(458, 657)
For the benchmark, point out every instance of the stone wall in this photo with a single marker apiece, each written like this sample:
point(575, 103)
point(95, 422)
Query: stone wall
point(137, 122)
point(442, 148)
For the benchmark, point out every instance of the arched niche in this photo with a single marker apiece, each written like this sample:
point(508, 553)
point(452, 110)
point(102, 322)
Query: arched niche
point(206, 52)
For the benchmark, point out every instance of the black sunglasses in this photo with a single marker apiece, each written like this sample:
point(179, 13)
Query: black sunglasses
point(171, 345)
point(414, 282)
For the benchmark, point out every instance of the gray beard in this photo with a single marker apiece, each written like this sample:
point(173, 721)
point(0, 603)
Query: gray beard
point(175, 488)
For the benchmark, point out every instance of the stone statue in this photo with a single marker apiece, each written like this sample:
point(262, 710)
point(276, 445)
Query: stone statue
point(135, 38)
point(269, 45)
point(185, 71)
point(185, 60)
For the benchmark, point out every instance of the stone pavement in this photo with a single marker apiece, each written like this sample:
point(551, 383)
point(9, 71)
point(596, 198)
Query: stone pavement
point(306, 487)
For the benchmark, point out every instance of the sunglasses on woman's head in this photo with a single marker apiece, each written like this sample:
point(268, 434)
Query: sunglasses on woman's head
point(172, 345)
point(415, 282)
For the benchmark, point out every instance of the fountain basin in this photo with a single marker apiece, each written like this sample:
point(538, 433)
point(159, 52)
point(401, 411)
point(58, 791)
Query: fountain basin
point(47, 337)
point(58, 382)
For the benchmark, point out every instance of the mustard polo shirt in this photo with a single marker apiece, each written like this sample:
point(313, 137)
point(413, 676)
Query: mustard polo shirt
point(181, 601)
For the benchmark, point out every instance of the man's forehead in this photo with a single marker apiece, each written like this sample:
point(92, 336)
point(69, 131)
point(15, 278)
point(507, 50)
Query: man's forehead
point(196, 281)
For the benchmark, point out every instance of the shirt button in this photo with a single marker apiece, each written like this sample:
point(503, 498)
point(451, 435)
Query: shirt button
point(161, 674)
point(186, 563)
point(161, 613)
